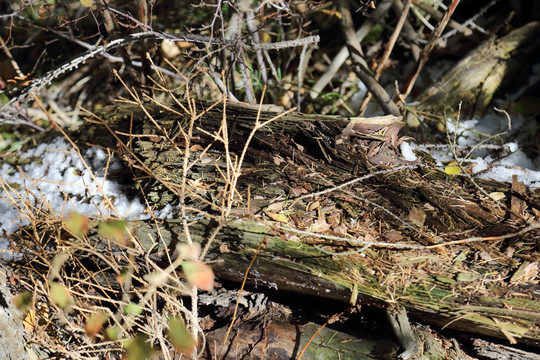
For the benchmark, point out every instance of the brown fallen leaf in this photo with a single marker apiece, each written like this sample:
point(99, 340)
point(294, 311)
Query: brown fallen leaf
point(393, 235)
point(417, 216)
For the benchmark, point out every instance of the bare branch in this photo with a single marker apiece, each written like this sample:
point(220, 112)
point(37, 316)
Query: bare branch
point(428, 48)
point(355, 53)
point(37, 85)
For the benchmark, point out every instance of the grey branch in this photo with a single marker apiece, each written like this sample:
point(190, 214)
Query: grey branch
point(284, 44)
point(37, 85)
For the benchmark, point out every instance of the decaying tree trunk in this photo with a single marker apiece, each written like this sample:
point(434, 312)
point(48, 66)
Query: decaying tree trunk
point(407, 220)
point(339, 213)
point(491, 67)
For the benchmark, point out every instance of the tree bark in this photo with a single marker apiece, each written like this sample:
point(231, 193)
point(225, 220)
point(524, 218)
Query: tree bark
point(492, 67)
point(399, 233)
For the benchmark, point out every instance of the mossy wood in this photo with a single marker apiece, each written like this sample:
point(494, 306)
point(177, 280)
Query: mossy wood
point(391, 237)
point(490, 68)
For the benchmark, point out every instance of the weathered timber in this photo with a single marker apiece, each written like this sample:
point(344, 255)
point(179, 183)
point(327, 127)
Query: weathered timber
point(492, 67)
point(414, 236)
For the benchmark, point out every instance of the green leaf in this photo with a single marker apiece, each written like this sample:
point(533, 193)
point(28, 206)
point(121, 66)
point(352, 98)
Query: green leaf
point(138, 348)
point(113, 333)
point(59, 295)
point(466, 277)
point(180, 336)
point(133, 308)
point(23, 300)
point(114, 230)
point(77, 224)
point(86, 3)
point(445, 279)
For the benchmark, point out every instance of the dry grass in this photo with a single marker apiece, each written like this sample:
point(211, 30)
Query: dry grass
point(111, 289)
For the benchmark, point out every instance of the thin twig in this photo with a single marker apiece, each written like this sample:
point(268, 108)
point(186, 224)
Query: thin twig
point(235, 312)
point(531, 227)
point(348, 183)
point(355, 53)
point(387, 52)
point(377, 244)
point(37, 85)
point(435, 35)
point(343, 54)
point(332, 318)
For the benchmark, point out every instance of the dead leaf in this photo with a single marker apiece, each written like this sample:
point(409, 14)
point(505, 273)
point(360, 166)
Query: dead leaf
point(298, 190)
point(319, 226)
point(170, 49)
point(280, 217)
point(517, 205)
point(277, 159)
point(496, 195)
point(188, 251)
point(369, 237)
point(393, 235)
point(313, 205)
point(298, 146)
point(94, 323)
point(370, 126)
point(429, 207)
point(276, 206)
point(204, 160)
point(527, 272)
point(333, 219)
point(199, 274)
point(417, 216)
point(224, 248)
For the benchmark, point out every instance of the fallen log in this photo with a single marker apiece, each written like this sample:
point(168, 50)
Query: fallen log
point(339, 213)
point(492, 68)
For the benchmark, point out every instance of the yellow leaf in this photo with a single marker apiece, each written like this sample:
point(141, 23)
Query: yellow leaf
point(497, 195)
point(282, 218)
point(332, 12)
point(86, 3)
point(36, 318)
point(30, 323)
point(452, 169)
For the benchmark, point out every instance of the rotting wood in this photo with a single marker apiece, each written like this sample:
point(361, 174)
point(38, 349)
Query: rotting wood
point(474, 80)
point(464, 286)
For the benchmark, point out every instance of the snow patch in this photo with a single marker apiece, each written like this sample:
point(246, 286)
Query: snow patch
point(58, 182)
point(407, 152)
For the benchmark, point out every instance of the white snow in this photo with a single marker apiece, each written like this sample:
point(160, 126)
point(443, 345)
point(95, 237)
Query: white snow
point(508, 160)
point(407, 151)
point(58, 182)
